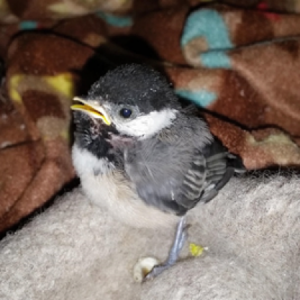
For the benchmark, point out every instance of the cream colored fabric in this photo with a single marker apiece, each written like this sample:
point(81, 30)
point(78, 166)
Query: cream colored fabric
point(76, 251)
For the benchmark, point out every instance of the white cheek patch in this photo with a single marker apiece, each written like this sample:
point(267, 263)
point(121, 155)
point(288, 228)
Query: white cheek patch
point(147, 125)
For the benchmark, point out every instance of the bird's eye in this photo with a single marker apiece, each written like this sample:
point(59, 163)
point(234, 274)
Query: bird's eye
point(125, 113)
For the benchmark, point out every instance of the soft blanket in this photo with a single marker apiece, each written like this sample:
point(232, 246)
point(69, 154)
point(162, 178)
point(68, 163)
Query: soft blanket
point(240, 65)
point(77, 251)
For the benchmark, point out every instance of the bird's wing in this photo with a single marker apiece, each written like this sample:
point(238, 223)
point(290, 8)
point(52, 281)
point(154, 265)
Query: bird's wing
point(157, 170)
point(194, 181)
point(174, 174)
point(211, 168)
point(220, 165)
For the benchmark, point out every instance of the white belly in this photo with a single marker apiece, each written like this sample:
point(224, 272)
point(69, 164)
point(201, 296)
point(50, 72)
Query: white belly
point(113, 192)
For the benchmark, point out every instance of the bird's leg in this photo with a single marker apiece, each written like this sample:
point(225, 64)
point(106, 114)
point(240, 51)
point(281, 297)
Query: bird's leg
point(178, 243)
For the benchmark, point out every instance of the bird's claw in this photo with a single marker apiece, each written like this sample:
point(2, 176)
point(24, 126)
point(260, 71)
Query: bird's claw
point(158, 269)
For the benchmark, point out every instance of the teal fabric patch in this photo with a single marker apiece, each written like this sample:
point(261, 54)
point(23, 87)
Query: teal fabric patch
point(215, 59)
point(116, 21)
point(201, 98)
point(209, 24)
point(28, 25)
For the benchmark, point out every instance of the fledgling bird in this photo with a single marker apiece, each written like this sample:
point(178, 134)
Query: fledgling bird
point(142, 156)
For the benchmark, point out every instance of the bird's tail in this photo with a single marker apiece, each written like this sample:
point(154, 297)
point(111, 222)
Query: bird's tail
point(235, 162)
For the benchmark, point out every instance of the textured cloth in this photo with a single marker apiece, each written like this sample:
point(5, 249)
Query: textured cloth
point(77, 251)
point(241, 65)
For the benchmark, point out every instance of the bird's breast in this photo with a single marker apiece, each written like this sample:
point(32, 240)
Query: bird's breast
point(109, 188)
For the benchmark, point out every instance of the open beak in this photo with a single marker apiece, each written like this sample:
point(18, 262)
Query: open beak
point(94, 110)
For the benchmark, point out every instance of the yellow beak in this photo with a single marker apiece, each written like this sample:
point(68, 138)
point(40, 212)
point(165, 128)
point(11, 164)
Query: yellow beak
point(94, 110)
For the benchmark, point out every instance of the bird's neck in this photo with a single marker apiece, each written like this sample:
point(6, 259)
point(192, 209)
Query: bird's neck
point(120, 142)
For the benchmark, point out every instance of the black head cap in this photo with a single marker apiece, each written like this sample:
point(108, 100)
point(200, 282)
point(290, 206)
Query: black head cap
point(135, 84)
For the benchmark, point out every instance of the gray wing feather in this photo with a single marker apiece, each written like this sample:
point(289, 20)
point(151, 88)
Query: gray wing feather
point(175, 171)
point(156, 170)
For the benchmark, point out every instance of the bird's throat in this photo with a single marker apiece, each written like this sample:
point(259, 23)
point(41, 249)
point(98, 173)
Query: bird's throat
point(120, 142)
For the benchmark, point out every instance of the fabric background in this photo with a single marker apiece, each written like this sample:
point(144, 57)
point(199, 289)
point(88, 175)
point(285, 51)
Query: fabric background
point(77, 251)
point(239, 63)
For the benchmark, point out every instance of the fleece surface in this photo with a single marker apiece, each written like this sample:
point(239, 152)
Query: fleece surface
point(74, 250)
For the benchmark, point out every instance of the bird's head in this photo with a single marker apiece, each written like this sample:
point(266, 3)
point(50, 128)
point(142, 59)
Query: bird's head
point(133, 100)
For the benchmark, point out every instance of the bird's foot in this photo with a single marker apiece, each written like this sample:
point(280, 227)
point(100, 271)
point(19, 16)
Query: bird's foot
point(179, 240)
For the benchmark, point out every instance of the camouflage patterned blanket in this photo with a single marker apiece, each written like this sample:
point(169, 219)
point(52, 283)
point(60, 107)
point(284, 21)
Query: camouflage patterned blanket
point(240, 64)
